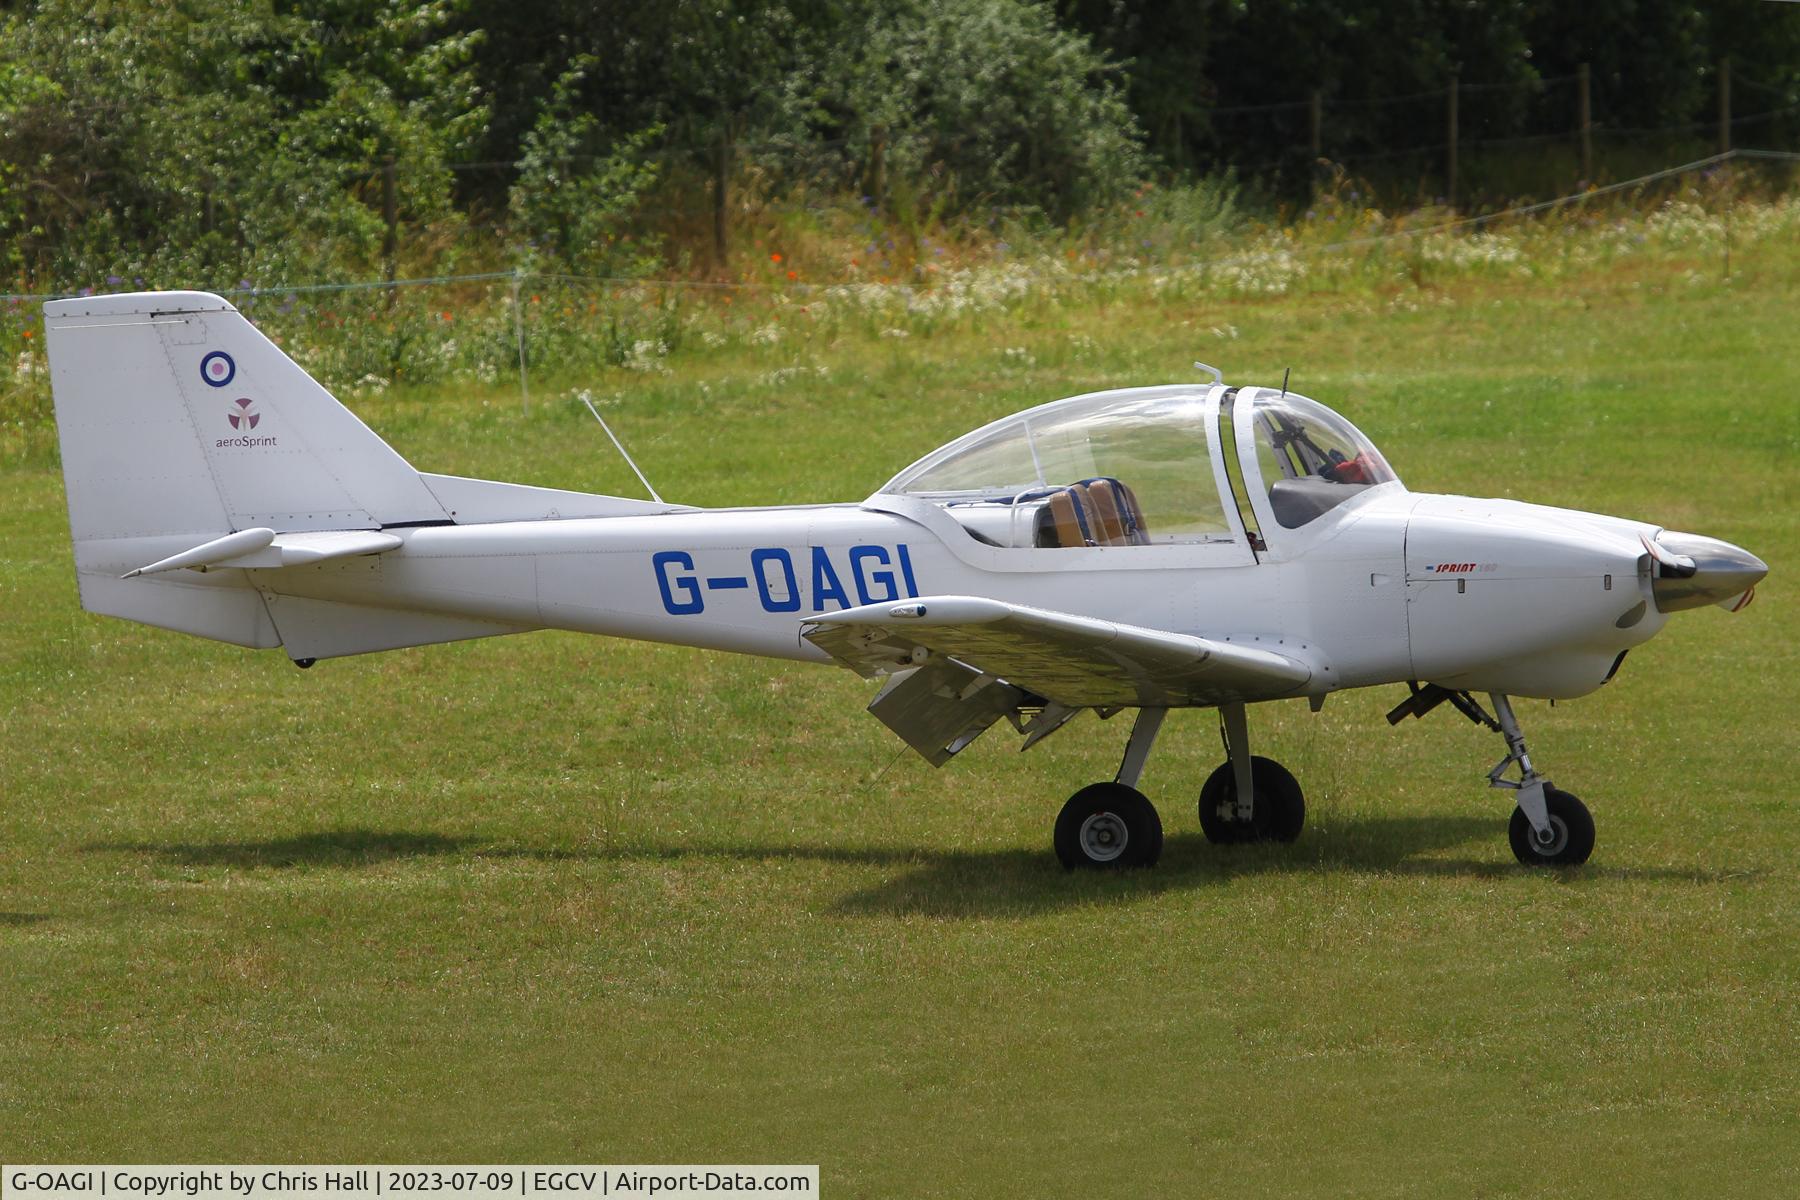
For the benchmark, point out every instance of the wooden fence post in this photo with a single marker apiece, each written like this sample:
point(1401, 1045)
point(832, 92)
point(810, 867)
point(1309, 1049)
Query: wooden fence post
point(1585, 116)
point(878, 164)
point(390, 242)
point(1724, 105)
point(518, 286)
point(1450, 164)
point(721, 202)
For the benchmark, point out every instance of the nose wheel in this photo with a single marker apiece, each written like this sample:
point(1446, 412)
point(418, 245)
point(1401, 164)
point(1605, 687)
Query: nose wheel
point(1568, 841)
point(1550, 827)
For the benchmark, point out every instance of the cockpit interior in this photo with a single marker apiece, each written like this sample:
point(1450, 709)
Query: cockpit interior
point(1148, 466)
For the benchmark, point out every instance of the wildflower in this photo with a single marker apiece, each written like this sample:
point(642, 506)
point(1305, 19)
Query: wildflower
point(774, 258)
point(793, 275)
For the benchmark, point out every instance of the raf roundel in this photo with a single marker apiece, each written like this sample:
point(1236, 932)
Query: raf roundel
point(217, 369)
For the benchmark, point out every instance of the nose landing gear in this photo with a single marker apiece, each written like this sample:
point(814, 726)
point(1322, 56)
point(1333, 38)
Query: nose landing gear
point(1550, 827)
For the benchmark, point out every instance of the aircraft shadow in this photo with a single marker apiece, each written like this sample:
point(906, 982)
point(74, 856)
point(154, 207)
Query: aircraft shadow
point(1028, 882)
point(23, 918)
point(333, 848)
point(956, 883)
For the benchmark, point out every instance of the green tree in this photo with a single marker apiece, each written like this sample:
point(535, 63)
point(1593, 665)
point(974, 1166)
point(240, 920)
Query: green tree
point(571, 206)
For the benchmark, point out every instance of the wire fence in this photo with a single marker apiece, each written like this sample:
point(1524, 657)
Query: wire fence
point(1466, 145)
point(516, 282)
point(520, 277)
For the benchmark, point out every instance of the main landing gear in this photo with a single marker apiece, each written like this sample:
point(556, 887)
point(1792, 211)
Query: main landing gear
point(1114, 824)
point(1248, 799)
point(1549, 827)
point(1254, 799)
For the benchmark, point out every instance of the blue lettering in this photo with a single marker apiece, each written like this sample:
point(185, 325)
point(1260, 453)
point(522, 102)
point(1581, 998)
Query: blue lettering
point(668, 586)
point(885, 579)
point(912, 585)
point(825, 583)
point(788, 585)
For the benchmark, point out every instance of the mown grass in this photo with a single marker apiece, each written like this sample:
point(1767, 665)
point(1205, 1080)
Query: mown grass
point(564, 899)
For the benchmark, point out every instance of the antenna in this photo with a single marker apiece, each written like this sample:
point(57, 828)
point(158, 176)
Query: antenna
point(1285, 372)
point(620, 446)
point(1218, 375)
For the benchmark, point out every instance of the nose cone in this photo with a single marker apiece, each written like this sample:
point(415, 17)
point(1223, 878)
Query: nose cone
point(1691, 571)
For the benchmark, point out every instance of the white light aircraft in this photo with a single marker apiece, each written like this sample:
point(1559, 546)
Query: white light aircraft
point(1147, 548)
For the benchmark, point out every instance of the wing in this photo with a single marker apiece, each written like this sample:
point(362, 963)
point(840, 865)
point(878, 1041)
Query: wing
point(1080, 662)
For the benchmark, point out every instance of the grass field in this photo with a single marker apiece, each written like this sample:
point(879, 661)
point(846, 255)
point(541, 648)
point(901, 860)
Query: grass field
point(555, 898)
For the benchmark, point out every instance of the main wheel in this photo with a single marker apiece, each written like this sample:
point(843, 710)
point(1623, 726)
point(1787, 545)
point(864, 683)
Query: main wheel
point(1278, 808)
point(1571, 828)
point(1108, 825)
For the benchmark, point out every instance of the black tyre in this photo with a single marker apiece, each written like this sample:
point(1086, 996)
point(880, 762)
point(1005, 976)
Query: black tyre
point(1278, 809)
point(1572, 825)
point(1108, 825)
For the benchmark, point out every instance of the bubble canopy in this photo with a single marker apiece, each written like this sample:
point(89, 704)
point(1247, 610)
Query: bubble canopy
point(1311, 460)
point(1152, 445)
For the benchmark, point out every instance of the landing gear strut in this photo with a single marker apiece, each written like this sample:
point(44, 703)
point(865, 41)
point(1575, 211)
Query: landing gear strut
point(1550, 827)
point(1114, 824)
point(1249, 798)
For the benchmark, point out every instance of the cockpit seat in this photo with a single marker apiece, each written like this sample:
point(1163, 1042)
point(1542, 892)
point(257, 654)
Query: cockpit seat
point(1118, 510)
point(1064, 521)
point(1094, 512)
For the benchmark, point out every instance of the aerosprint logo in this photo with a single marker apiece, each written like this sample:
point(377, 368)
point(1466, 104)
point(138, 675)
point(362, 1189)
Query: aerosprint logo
point(244, 416)
point(216, 370)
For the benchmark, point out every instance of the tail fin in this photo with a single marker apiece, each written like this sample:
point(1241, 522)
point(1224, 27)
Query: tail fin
point(177, 415)
point(179, 423)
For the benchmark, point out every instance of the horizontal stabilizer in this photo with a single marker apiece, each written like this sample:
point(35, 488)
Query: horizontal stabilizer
point(244, 541)
point(304, 549)
point(264, 549)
